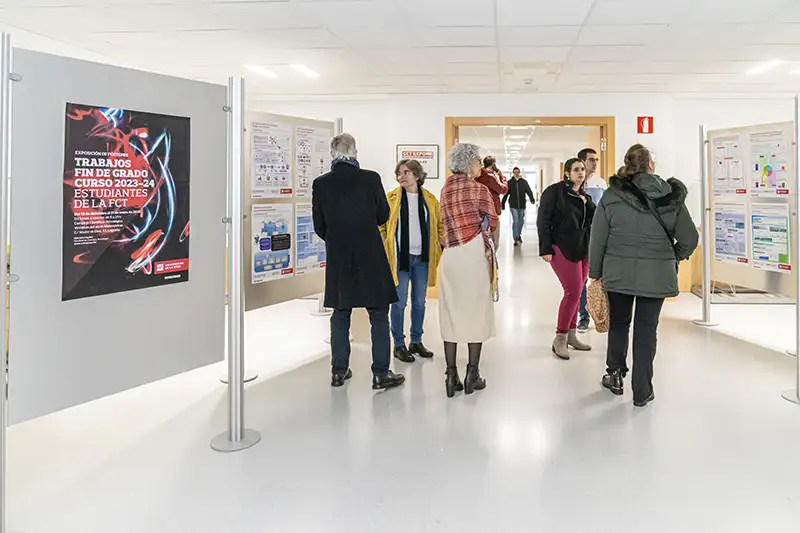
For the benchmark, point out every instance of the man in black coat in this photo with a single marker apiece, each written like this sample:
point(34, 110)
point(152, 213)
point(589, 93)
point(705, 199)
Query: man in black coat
point(349, 204)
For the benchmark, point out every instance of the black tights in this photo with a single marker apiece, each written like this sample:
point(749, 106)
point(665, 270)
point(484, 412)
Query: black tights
point(451, 350)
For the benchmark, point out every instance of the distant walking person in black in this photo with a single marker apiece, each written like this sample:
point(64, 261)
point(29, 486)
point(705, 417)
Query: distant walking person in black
point(518, 189)
point(349, 204)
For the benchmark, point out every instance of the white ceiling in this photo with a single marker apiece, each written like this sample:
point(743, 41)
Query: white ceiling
point(431, 46)
point(532, 143)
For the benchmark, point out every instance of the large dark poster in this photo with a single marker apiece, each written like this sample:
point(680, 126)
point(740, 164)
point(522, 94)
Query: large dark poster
point(126, 201)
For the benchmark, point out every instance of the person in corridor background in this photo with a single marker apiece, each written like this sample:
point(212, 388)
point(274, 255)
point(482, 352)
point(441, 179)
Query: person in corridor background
point(641, 231)
point(518, 189)
point(595, 187)
point(349, 204)
point(468, 274)
point(565, 217)
point(412, 238)
point(493, 179)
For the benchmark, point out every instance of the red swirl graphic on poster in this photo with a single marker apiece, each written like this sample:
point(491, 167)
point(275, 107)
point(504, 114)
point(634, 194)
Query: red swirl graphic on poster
point(126, 201)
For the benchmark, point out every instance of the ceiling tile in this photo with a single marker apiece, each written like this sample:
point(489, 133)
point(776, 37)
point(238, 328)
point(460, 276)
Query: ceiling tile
point(372, 35)
point(517, 54)
point(262, 15)
point(622, 12)
point(630, 34)
point(462, 53)
point(742, 11)
point(542, 13)
point(469, 69)
point(454, 36)
point(448, 13)
point(537, 35)
point(606, 53)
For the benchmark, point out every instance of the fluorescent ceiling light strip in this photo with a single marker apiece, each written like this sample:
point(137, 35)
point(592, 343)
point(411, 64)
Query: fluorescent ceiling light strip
point(261, 71)
point(304, 70)
point(769, 65)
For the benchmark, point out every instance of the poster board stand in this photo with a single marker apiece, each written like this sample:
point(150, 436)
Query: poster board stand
point(793, 395)
point(705, 321)
point(5, 131)
point(236, 438)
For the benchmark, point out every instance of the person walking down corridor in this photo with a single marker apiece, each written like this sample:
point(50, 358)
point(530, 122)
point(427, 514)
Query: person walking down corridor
point(412, 238)
point(348, 205)
point(518, 189)
point(493, 179)
point(468, 274)
point(565, 217)
point(641, 231)
point(595, 187)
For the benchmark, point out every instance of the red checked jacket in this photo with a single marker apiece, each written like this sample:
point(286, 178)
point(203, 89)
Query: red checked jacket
point(497, 185)
point(465, 204)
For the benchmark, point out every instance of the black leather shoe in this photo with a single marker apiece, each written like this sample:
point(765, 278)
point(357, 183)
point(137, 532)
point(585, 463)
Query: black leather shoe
point(420, 350)
point(646, 400)
point(389, 381)
point(452, 382)
point(613, 382)
point(337, 380)
point(401, 353)
point(473, 380)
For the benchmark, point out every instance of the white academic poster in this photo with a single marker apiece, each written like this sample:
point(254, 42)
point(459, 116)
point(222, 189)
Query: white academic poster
point(271, 160)
point(310, 248)
point(769, 225)
point(312, 156)
point(730, 233)
point(272, 242)
point(728, 165)
point(769, 163)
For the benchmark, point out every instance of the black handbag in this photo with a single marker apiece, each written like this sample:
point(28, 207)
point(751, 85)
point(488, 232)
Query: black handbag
point(670, 235)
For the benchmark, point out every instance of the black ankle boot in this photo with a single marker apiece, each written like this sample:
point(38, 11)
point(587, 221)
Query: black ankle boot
point(613, 382)
point(452, 382)
point(473, 380)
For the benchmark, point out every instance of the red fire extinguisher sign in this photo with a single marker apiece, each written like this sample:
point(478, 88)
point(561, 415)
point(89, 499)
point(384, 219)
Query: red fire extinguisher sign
point(645, 125)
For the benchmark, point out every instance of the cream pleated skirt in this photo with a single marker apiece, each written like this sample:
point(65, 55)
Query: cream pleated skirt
point(466, 309)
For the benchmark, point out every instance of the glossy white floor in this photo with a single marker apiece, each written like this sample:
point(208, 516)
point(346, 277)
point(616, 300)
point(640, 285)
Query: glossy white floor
point(544, 448)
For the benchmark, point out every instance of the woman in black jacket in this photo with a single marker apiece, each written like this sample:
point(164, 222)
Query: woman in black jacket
point(565, 216)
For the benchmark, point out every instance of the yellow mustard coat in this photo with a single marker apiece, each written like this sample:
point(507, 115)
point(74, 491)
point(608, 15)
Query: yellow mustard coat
point(436, 232)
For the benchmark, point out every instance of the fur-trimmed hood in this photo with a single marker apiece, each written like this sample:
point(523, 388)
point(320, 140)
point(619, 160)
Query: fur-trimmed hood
point(667, 195)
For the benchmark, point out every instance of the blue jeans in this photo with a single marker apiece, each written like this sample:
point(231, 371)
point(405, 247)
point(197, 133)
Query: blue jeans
point(417, 275)
point(518, 217)
point(340, 340)
point(583, 314)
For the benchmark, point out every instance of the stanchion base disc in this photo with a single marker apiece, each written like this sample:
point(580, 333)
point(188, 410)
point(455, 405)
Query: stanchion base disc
point(222, 442)
point(791, 352)
point(700, 322)
point(791, 396)
point(248, 377)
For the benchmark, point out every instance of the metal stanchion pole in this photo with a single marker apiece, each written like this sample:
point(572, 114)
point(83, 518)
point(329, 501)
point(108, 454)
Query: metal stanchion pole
point(5, 154)
point(793, 395)
point(706, 229)
point(237, 437)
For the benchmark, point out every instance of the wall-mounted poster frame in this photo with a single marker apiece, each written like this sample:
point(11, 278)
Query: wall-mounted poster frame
point(426, 154)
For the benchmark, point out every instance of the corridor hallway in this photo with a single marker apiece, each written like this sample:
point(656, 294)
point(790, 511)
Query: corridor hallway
point(544, 448)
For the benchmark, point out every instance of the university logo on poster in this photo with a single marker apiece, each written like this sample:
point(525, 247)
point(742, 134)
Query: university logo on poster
point(126, 201)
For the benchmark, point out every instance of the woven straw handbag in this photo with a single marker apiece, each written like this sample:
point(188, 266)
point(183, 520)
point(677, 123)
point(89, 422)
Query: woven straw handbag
point(597, 305)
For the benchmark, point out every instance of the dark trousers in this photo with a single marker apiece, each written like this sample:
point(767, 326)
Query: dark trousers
point(645, 338)
point(340, 340)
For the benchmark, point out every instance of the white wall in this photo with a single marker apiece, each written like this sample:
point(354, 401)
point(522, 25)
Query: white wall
point(381, 123)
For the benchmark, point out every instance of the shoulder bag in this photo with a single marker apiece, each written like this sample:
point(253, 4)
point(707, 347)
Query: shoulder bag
point(654, 211)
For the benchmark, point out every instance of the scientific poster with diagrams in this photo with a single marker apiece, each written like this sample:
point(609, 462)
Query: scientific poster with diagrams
point(312, 156)
point(270, 160)
point(770, 237)
point(310, 248)
point(730, 233)
point(272, 242)
point(728, 165)
point(769, 163)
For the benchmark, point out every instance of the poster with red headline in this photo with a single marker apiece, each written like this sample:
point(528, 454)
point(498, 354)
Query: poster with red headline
point(126, 201)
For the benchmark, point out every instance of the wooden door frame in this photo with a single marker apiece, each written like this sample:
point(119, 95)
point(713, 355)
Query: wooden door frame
point(606, 124)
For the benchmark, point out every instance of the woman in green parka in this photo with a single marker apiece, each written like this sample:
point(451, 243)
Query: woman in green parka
point(641, 230)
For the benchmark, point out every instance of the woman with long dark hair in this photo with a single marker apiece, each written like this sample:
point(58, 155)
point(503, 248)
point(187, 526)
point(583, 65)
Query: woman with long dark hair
point(641, 230)
point(565, 216)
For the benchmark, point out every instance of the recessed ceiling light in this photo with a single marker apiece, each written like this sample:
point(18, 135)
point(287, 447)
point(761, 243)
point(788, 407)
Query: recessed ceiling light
point(769, 65)
point(261, 71)
point(305, 71)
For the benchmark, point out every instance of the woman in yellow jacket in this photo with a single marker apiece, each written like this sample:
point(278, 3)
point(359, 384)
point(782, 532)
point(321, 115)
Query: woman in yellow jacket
point(412, 237)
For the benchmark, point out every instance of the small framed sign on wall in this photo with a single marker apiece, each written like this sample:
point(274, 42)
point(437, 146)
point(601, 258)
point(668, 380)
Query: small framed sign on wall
point(426, 154)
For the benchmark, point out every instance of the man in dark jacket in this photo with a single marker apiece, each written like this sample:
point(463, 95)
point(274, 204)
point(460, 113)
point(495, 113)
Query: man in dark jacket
point(497, 184)
point(348, 206)
point(518, 189)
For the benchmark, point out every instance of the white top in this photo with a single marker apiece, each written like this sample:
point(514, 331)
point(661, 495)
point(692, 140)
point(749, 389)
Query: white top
point(596, 182)
point(414, 232)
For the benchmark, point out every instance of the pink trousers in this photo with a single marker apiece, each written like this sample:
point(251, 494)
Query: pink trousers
point(573, 278)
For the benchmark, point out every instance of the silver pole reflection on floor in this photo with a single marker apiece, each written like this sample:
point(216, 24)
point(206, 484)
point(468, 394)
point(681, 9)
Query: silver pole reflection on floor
point(5, 149)
point(706, 229)
point(793, 395)
point(237, 437)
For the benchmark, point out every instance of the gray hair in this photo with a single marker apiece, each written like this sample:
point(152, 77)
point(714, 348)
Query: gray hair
point(343, 146)
point(462, 156)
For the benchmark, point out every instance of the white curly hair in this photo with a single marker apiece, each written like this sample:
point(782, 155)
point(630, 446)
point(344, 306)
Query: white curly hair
point(462, 156)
